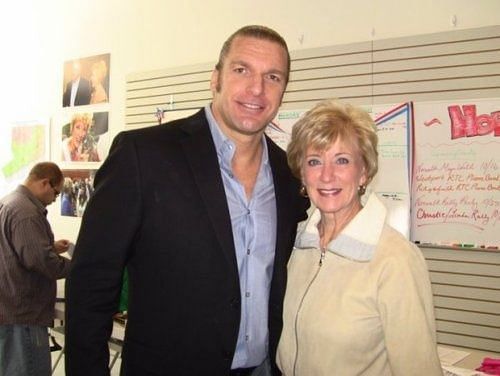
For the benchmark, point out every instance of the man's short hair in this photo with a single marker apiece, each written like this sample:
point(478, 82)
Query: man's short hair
point(258, 32)
point(46, 170)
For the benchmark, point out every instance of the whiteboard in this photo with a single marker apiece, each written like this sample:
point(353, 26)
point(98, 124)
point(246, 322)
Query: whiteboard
point(392, 182)
point(456, 182)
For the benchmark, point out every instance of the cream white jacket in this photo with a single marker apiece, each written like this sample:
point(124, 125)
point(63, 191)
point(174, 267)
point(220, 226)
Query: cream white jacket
point(367, 310)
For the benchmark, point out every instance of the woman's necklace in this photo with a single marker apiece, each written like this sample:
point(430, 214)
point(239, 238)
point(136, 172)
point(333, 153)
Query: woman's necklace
point(323, 244)
point(322, 256)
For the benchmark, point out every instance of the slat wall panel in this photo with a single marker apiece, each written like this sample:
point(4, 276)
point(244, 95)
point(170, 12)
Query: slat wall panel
point(451, 65)
point(166, 91)
point(438, 95)
point(442, 66)
point(465, 317)
point(452, 47)
point(145, 117)
point(189, 70)
point(471, 342)
point(486, 332)
point(351, 60)
point(144, 103)
point(171, 80)
point(435, 62)
point(468, 268)
point(429, 86)
point(148, 91)
point(473, 293)
point(466, 288)
point(329, 71)
point(450, 277)
point(470, 305)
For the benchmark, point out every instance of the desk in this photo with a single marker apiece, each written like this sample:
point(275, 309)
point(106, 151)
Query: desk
point(471, 361)
point(475, 358)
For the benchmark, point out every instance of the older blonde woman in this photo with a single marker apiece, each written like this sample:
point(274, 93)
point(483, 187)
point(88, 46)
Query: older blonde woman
point(358, 298)
point(99, 70)
point(80, 145)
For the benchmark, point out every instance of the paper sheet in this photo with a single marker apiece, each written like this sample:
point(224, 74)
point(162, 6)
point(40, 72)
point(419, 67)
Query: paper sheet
point(449, 356)
point(456, 371)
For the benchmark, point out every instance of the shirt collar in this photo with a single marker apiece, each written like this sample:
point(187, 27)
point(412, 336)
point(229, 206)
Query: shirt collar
point(357, 241)
point(25, 191)
point(223, 145)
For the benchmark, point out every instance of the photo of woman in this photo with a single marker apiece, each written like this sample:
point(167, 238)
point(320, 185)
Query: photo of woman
point(99, 70)
point(80, 145)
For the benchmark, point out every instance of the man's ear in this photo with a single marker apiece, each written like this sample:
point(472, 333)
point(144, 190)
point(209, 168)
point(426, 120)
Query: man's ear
point(214, 81)
point(45, 182)
point(41, 186)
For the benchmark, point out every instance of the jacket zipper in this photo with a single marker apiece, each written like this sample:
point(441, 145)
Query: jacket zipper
point(322, 257)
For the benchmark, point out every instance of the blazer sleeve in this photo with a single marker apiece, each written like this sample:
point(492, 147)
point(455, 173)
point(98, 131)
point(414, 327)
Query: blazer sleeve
point(109, 225)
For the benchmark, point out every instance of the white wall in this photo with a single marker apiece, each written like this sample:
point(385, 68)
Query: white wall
point(38, 36)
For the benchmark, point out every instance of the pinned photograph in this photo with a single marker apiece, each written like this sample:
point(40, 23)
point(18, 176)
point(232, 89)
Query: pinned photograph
point(77, 189)
point(82, 137)
point(86, 81)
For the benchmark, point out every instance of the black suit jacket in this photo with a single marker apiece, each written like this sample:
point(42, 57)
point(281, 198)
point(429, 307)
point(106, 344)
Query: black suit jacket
point(159, 208)
point(82, 94)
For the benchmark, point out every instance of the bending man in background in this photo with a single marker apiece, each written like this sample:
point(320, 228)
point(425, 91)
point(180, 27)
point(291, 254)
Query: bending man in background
point(30, 264)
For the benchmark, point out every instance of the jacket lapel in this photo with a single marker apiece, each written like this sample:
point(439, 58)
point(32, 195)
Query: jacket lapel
point(200, 152)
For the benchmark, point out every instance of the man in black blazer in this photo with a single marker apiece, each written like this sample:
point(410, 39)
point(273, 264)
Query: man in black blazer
point(203, 213)
point(80, 87)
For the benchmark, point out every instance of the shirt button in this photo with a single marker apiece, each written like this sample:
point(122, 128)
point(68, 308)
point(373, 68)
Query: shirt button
point(248, 251)
point(247, 294)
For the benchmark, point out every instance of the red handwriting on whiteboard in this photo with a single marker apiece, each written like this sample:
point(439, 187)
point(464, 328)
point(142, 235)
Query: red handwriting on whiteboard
point(465, 122)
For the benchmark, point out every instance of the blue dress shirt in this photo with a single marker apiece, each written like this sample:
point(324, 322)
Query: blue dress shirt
point(253, 223)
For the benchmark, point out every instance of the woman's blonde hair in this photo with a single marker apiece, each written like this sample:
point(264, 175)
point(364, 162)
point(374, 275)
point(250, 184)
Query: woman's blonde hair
point(327, 122)
point(84, 118)
point(100, 69)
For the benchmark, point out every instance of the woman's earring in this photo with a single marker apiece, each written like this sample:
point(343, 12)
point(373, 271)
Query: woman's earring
point(361, 190)
point(303, 191)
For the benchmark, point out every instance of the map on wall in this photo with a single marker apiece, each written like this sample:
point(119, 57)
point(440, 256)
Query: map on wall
point(21, 145)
